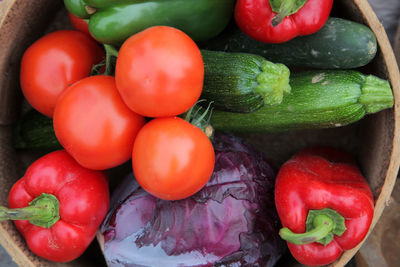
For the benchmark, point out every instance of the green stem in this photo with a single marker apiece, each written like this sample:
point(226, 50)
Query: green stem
point(284, 8)
point(200, 118)
point(376, 94)
point(273, 82)
point(321, 225)
point(110, 52)
point(42, 211)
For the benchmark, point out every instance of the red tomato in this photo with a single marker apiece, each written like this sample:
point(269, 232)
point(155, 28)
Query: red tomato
point(79, 24)
point(94, 125)
point(159, 72)
point(172, 159)
point(54, 62)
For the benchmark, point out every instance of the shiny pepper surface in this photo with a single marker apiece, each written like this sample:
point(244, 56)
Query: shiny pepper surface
point(58, 206)
point(278, 21)
point(112, 22)
point(324, 203)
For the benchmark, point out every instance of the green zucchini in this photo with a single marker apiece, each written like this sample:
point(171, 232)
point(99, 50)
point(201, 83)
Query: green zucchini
point(340, 44)
point(241, 82)
point(319, 99)
point(34, 131)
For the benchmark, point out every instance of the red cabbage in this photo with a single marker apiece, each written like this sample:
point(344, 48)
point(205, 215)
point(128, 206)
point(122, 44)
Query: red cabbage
point(231, 222)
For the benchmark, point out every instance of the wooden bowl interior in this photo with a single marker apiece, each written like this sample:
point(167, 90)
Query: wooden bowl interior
point(373, 140)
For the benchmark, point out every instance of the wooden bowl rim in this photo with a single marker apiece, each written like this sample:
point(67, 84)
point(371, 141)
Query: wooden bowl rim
point(394, 78)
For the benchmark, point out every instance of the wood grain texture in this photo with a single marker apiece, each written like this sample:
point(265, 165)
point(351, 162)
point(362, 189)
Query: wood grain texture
point(374, 140)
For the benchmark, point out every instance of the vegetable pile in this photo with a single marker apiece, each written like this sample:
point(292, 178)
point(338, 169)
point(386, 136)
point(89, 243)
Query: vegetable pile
point(163, 85)
point(232, 220)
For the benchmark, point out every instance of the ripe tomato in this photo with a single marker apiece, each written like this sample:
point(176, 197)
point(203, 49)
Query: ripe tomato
point(79, 24)
point(54, 62)
point(172, 159)
point(94, 125)
point(159, 72)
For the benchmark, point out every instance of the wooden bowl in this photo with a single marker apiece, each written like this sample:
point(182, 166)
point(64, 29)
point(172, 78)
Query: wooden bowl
point(381, 248)
point(374, 140)
point(396, 44)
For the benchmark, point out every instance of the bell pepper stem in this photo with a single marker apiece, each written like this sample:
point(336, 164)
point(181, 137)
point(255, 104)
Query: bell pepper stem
point(90, 10)
point(323, 226)
point(42, 211)
point(284, 11)
point(284, 8)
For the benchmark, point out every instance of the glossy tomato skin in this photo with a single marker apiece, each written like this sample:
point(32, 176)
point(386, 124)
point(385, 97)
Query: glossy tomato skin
point(94, 125)
point(159, 72)
point(172, 159)
point(53, 63)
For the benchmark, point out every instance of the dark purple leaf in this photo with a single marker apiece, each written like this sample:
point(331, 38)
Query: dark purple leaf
point(231, 222)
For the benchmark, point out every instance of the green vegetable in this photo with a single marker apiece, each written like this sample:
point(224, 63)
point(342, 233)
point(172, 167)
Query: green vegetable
point(35, 131)
point(77, 7)
point(319, 99)
point(108, 3)
point(114, 21)
point(240, 82)
point(340, 44)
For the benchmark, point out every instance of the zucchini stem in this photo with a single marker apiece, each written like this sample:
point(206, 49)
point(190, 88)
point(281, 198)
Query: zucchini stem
point(376, 94)
point(273, 82)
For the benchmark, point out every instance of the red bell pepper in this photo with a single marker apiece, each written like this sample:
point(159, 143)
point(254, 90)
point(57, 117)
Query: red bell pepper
point(79, 24)
point(324, 203)
point(278, 21)
point(58, 206)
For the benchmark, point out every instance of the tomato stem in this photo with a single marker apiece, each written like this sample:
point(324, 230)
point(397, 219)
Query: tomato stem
point(110, 53)
point(200, 118)
point(189, 114)
point(209, 131)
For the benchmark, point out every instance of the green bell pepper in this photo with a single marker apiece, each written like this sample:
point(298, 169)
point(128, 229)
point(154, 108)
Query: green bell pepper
point(114, 21)
point(108, 3)
point(77, 7)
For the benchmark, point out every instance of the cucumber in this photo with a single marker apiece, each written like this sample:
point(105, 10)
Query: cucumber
point(241, 82)
point(34, 131)
point(319, 99)
point(340, 44)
